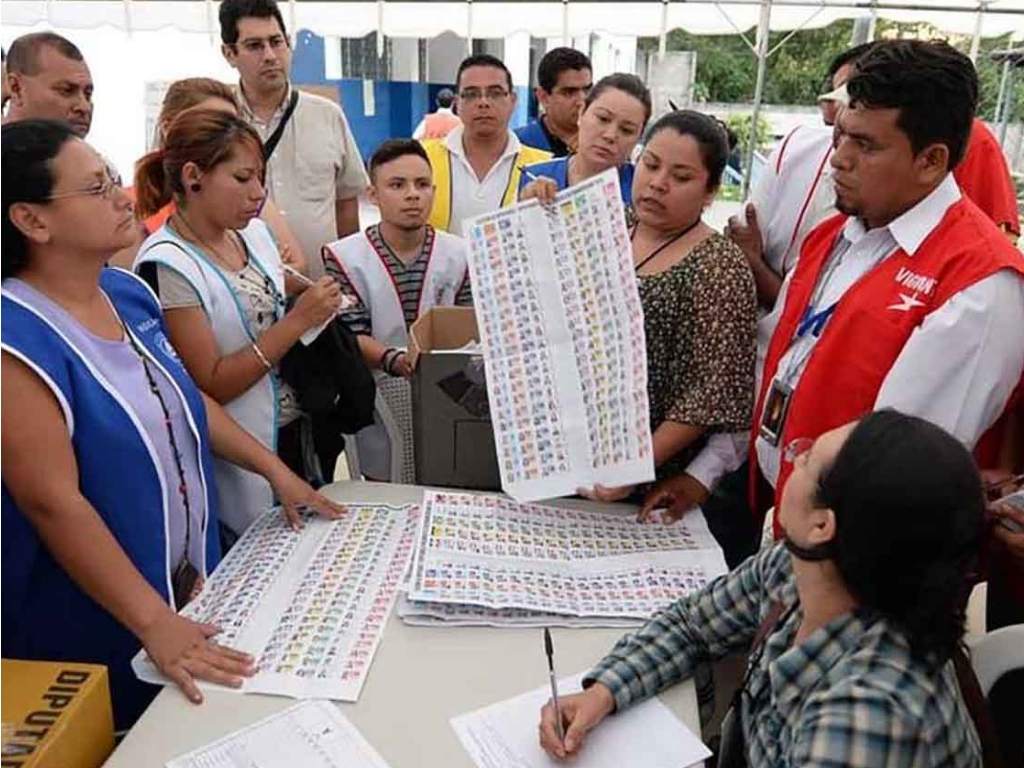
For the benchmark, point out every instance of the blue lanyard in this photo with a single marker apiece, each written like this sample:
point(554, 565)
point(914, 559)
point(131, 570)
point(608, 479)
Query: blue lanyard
point(815, 321)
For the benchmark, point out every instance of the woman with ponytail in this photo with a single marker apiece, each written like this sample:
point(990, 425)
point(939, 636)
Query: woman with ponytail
point(857, 613)
point(109, 506)
point(220, 279)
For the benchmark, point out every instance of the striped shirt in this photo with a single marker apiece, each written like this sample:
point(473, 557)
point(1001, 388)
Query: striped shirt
point(851, 694)
point(408, 280)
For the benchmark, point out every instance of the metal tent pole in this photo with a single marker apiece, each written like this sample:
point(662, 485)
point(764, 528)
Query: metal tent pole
point(762, 64)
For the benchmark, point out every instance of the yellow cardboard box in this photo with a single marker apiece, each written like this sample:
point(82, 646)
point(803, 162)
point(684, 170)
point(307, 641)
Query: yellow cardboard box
point(55, 715)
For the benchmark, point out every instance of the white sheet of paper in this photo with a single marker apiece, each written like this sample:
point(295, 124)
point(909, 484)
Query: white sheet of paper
point(313, 734)
point(562, 329)
point(504, 735)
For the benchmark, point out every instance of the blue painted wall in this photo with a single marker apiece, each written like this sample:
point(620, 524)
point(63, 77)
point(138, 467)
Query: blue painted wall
point(398, 108)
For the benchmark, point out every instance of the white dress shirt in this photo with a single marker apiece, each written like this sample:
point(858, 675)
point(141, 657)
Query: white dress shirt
point(956, 370)
point(473, 196)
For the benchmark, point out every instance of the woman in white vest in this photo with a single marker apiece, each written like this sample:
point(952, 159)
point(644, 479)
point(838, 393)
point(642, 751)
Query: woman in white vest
point(397, 269)
point(219, 276)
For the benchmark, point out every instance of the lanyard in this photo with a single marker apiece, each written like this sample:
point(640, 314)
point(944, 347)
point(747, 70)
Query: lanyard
point(813, 320)
point(675, 238)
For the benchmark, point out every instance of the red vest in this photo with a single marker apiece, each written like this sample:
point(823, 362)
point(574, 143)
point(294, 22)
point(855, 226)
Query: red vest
point(437, 125)
point(865, 334)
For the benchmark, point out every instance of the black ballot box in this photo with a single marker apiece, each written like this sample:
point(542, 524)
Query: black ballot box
point(452, 431)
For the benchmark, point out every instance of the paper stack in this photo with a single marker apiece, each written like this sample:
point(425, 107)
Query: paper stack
point(487, 560)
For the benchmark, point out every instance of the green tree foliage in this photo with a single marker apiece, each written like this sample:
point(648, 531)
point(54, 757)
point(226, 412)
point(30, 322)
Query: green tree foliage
point(727, 69)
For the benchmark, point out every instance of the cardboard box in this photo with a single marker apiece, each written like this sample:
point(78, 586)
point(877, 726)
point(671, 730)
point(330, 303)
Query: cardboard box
point(55, 714)
point(452, 430)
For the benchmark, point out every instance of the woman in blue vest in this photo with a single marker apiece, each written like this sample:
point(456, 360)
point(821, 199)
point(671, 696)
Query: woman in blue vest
point(109, 509)
point(613, 119)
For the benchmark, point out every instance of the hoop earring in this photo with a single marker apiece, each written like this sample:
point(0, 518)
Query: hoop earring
point(196, 186)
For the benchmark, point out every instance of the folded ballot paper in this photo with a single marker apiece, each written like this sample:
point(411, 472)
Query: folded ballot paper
point(504, 735)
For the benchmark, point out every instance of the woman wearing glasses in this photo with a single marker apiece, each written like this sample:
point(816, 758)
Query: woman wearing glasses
point(221, 283)
point(861, 610)
point(612, 121)
point(109, 507)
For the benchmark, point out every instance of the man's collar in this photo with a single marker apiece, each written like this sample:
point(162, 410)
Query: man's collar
point(454, 143)
point(910, 228)
point(247, 112)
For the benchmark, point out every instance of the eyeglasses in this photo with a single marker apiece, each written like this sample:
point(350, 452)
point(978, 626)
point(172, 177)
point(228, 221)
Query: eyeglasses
point(257, 45)
point(475, 94)
point(797, 448)
point(102, 189)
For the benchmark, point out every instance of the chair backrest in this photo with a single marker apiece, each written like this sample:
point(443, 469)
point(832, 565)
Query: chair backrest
point(996, 653)
point(393, 411)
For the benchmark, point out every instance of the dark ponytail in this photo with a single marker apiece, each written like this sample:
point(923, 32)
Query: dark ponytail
point(27, 150)
point(910, 512)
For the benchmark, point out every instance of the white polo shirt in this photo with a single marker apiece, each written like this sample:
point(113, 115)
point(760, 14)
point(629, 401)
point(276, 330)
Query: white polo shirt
point(471, 195)
point(316, 163)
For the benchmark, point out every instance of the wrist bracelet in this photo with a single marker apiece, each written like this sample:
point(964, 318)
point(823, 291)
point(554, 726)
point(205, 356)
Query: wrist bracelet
point(262, 358)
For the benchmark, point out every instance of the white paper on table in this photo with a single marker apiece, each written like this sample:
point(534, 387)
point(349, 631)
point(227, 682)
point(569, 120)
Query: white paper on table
point(310, 606)
point(504, 735)
point(312, 734)
point(562, 330)
point(491, 552)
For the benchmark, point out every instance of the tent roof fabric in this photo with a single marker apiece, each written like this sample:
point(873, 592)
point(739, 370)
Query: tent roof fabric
point(495, 19)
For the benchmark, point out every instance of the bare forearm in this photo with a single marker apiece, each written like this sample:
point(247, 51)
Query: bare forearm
point(346, 214)
point(101, 568)
point(671, 437)
point(373, 351)
point(233, 374)
point(767, 282)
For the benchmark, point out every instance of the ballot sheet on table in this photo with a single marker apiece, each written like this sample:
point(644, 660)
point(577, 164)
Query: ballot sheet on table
point(311, 605)
point(493, 552)
point(504, 735)
point(311, 734)
point(562, 330)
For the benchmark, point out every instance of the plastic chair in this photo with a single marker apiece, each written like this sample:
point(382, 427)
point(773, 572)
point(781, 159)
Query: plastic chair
point(996, 653)
point(393, 409)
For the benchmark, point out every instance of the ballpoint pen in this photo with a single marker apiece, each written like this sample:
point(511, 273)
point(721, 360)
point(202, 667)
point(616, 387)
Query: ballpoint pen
point(550, 651)
point(296, 274)
point(528, 173)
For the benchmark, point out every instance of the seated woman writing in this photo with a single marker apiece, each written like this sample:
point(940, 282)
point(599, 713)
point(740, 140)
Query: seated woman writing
point(218, 273)
point(697, 291)
point(863, 605)
point(612, 121)
point(109, 502)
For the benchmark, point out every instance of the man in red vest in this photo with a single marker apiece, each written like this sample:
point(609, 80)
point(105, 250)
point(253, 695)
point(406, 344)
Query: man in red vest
point(911, 298)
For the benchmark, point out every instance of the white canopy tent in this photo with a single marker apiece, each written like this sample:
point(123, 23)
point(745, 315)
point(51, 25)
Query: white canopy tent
point(486, 18)
point(145, 40)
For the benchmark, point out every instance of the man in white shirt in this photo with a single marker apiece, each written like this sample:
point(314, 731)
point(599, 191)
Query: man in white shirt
point(441, 122)
point(476, 167)
point(914, 302)
point(315, 173)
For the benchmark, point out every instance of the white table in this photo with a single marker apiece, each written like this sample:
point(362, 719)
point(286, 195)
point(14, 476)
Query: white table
point(420, 677)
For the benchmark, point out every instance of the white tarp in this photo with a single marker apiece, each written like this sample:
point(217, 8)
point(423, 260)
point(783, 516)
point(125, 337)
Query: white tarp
point(497, 19)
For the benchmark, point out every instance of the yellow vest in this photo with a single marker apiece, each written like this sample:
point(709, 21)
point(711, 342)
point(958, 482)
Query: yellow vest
point(441, 164)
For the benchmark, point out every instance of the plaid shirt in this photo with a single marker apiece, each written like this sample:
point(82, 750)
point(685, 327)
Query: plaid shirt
point(851, 694)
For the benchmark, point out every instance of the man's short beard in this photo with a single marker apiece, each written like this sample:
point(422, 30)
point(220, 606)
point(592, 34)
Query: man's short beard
point(846, 208)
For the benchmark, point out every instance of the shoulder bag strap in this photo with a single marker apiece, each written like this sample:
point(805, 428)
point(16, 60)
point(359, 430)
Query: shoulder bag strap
point(271, 143)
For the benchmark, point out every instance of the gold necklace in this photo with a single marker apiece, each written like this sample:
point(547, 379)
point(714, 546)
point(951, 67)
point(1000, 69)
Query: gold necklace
point(196, 238)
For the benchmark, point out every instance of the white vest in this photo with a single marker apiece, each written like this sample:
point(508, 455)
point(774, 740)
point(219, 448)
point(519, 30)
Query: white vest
point(369, 276)
point(803, 195)
point(244, 495)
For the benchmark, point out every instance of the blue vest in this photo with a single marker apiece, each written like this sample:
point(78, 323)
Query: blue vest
point(532, 135)
point(45, 614)
point(558, 171)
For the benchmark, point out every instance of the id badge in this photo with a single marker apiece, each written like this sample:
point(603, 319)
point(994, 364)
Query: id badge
point(775, 409)
point(184, 583)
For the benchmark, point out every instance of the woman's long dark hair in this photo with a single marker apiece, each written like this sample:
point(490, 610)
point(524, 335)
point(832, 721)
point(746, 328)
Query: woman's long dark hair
point(27, 150)
point(910, 517)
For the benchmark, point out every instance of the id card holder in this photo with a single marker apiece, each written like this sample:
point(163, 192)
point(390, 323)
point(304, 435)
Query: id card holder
point(776, 407)
point(184, 582)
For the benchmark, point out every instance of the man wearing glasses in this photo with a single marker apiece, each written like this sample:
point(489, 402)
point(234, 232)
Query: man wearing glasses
point(564, 77)
point(314, 172)
point(477, 166)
